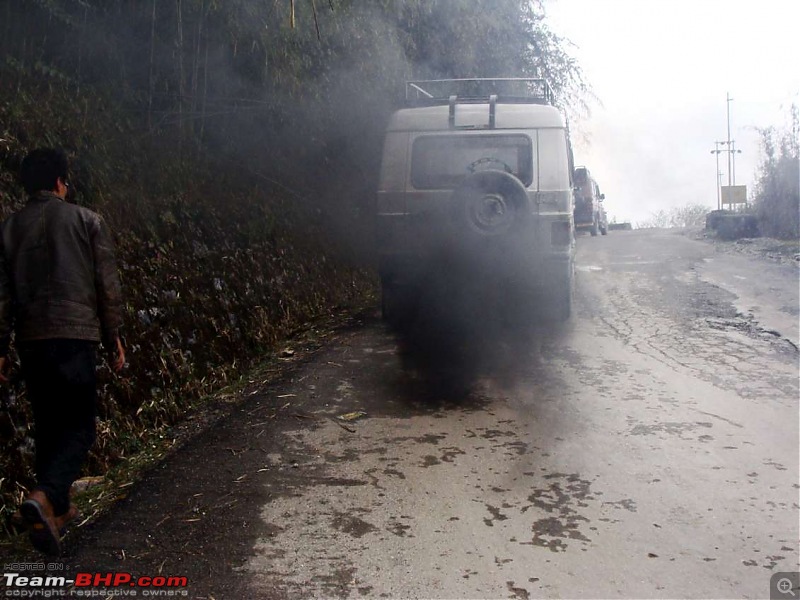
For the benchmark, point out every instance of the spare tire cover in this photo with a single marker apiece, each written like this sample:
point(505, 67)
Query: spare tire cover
point(490, 203)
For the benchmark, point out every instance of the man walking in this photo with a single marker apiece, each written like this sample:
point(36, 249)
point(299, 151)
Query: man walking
point(60, 293)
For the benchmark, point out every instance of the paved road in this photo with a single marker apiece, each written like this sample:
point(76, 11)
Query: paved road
point(649, 448)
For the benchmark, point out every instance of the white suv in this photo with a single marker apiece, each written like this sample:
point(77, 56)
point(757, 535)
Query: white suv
point(476, 186)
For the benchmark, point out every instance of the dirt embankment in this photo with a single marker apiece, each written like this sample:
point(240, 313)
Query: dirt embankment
point(780, 251)
point(217, 265)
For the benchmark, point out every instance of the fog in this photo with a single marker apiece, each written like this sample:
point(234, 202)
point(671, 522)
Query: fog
point(662, 70)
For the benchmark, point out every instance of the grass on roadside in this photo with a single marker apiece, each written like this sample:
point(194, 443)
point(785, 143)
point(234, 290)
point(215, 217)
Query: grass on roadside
point(100, 493)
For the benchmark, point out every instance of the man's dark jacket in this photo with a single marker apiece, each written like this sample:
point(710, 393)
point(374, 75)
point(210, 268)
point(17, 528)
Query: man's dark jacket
point(58, 276)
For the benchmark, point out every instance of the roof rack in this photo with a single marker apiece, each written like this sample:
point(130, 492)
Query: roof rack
point(512, 90)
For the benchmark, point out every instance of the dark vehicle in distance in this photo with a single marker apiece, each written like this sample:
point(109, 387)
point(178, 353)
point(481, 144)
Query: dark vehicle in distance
point(589, 211)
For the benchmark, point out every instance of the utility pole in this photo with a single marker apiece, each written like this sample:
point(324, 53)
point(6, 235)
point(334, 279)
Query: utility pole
point(728, 100)
point(734, 152)
point(731, 147)
point(717, 151)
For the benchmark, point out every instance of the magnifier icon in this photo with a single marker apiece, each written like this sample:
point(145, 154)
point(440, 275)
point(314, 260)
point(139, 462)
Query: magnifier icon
point(785, 587)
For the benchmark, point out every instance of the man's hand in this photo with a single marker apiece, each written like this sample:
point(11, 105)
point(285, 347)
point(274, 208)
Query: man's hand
point(4, 365)
point(118, 361)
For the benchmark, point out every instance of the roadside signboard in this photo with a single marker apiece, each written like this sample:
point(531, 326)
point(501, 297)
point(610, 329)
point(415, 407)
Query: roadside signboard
point(734, 194)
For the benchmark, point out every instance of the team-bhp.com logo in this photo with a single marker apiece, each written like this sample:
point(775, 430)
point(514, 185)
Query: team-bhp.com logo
point(93, 585)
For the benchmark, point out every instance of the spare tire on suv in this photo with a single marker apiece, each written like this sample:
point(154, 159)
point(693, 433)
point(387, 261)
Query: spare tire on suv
point(490, 203)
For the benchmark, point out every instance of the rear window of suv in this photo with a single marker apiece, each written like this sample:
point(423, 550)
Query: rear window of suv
point(443, 161)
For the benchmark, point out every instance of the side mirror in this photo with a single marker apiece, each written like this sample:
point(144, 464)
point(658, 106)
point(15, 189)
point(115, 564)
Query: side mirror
point(602, 196)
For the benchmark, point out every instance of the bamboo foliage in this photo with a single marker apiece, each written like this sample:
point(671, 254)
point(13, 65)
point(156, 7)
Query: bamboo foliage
point(260, 49)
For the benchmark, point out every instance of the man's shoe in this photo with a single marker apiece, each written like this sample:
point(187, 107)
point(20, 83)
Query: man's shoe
point(38, 514)
point(61, 521)
point(18, 524)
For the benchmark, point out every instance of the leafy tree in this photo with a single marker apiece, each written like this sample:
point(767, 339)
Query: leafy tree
point(189, 61)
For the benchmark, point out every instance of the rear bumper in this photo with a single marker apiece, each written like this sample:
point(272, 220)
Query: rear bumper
point(412, 270)
point(415, 247)
point(584, 215)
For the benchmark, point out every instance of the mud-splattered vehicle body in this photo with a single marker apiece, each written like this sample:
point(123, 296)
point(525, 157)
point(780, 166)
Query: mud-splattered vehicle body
point(476, 190)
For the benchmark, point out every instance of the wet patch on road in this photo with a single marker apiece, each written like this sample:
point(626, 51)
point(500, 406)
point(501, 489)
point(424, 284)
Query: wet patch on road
point(517, 592)
point(338, 582)
point(562, 498)
point(352, 525)
point(670, 428)
point(399, 529)
point(497, 515)
point(776, 465)
point(429, 461)
point(394, 473)
point(627, 504)
point(450, 454)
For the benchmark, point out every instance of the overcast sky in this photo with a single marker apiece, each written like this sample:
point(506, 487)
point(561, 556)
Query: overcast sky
point(661, 69)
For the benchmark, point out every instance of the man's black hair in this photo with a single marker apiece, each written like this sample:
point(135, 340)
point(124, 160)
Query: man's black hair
point(41, 169)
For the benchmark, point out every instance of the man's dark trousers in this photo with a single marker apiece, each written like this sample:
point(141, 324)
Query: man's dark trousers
point(62, 387)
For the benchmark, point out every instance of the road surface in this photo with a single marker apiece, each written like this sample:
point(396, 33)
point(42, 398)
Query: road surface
point(647, 449)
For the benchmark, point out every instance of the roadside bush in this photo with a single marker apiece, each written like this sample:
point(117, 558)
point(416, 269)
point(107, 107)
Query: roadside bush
point(690, 215)
point(777, 192)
